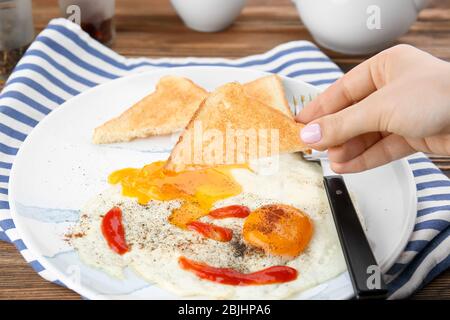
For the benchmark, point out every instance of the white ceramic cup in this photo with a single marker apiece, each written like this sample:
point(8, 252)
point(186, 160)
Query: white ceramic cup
point(358, 26)
point(208, 15)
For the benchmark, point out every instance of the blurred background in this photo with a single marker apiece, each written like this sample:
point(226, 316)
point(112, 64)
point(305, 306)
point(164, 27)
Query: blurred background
point(234, 28)
point(152, 28)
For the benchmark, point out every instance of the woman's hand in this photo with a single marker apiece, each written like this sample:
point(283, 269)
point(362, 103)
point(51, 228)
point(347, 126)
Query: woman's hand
point(388, 107)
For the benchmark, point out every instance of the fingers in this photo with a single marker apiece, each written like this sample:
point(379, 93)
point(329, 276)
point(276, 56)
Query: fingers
point(390, 148)
point(368, 115)
point(354, 86)
point(438, 144)
point(354, 147)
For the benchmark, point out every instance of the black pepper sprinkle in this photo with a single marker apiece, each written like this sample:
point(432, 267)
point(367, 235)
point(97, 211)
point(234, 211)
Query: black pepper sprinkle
point(239, 248)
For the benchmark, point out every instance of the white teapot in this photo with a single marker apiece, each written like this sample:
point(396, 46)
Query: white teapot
point(358, 26)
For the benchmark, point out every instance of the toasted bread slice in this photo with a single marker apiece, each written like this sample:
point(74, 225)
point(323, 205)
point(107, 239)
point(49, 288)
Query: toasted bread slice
point(231, 127)
point(170, 107)
point(270, 90)
point(164, 111)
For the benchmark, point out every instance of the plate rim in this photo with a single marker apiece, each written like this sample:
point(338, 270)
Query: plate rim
point(409, 226)
point(86, 292)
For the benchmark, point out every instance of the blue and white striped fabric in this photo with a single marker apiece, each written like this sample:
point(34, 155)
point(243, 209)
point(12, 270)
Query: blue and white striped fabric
point(64, 61)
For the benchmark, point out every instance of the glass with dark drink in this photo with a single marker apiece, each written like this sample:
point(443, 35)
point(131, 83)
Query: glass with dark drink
point(16, 33)
point(94, 17)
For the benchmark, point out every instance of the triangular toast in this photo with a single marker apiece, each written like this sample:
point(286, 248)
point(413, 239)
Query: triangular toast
point(164, 111)
point(270, 90)
point(170, 107)
point(231, 127)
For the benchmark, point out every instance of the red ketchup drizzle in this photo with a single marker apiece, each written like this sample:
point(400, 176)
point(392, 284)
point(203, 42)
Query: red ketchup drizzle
point(113, 231)
point(211, 231)
point(276, 274)
point(235, 211)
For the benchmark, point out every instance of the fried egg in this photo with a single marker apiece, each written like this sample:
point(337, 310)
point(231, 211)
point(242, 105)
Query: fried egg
point(299, 234)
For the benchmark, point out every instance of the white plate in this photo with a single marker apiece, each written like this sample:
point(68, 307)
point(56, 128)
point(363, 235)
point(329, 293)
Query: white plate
point(58, 169)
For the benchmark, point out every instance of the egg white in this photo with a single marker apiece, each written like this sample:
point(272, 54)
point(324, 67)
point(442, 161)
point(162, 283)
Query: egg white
point(156, 245)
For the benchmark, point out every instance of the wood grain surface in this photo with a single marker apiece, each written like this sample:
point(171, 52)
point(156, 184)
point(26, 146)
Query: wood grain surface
point(151, 28)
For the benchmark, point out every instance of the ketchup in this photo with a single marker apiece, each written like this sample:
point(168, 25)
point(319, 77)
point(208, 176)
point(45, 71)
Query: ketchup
point(235, 211)
point(271, 275)
point(113, 231)
point(211, 231)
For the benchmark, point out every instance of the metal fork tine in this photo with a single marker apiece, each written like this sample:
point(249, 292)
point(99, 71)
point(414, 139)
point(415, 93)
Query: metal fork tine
point(301, 102)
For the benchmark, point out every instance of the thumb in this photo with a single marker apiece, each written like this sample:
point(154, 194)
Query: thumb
point(337, 128)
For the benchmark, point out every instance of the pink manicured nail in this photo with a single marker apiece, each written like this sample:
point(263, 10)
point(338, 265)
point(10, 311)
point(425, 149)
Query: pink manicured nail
point(311, 133)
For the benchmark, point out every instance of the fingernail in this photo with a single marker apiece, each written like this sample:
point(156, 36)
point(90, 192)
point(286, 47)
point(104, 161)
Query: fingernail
point(311, 133)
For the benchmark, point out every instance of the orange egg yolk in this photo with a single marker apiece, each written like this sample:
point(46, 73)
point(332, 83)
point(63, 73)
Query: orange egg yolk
point(199, 189)
point(278, 229)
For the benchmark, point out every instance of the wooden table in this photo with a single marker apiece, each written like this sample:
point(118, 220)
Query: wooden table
point(151, 28)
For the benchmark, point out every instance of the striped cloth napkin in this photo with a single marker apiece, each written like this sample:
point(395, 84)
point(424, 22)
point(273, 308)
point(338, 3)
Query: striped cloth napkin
point(64, 61)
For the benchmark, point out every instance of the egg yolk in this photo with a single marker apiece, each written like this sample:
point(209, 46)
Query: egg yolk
point(278, 229)
point(199, 189)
